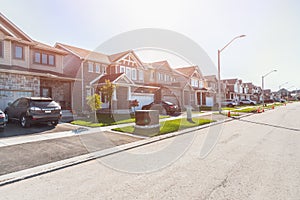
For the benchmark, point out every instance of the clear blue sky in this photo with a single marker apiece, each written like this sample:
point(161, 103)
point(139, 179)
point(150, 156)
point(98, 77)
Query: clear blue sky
point(272, 28)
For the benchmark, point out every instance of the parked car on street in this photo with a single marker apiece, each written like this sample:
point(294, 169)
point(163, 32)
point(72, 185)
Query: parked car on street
point(247, 102)
point(31, 110)
point(164, 107)
point(228, 103)
point(280, 100)
point(3, 120)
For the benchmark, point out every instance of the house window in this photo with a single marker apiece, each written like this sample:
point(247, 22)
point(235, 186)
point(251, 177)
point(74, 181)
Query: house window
point(128, 72)
point(44, 58)
point(122, 69)
point(194, 82)
point(37, 57)
point(97, 68)
point(91, 67)
point(18, 52)
point(50, 59)
point(152, 74)
point(1, 49)
point(133, 74)
point(201, 84)
point(141, 75)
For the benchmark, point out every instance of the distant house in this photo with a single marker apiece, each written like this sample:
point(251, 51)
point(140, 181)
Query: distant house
point(232, 88)
point(195, 92)
point(31, 68)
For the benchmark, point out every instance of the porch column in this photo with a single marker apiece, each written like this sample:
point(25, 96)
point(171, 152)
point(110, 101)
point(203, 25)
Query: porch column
point(129, 93)
point(114, 96)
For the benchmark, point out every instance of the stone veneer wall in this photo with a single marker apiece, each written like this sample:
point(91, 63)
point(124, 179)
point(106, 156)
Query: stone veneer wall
point(57, 89)
point(18, 82)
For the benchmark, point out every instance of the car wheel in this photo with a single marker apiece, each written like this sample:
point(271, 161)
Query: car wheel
point(241, 103)
point(54, 123)
point(24, 121)
point(6, 115)
point(230, 105)
point(252, 104)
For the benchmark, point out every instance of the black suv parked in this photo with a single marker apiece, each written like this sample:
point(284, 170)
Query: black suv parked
point(31, 110)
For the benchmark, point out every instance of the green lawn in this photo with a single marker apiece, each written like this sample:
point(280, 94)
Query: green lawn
point(107, 122)
point(171, 125)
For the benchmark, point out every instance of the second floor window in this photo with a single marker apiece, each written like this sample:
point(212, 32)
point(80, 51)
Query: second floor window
point(141, 75)
point(97, 68)
point(18, 52)
point(133, 74)
point(90, 67)
point(44, 58)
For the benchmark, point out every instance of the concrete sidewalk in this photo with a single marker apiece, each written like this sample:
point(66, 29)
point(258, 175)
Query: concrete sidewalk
point(79, 130)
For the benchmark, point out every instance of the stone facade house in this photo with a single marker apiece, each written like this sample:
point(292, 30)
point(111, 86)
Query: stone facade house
point(30, 68)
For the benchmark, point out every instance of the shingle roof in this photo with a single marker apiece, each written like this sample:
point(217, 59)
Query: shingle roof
point(117, 56)
point(211, 77)
point(187, 70)
point(110, 77)
point(43, 73)
point(230, 81)
point(86, 54)
point(159, 64)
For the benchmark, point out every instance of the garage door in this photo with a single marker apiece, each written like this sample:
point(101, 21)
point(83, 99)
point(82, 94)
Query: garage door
point(7, 96)
point(143, 99)
point(209, 101)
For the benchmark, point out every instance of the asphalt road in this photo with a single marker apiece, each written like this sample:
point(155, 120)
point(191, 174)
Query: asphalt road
point(257, 157)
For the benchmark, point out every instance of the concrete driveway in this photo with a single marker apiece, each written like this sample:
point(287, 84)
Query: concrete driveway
point(14, 129)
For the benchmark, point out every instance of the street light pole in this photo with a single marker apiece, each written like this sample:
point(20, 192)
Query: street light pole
point(219, 70)
point(262, 85)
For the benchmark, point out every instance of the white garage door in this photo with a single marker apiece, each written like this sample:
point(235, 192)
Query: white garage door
point(143, 99)
point(7, 96)
point(209, 101)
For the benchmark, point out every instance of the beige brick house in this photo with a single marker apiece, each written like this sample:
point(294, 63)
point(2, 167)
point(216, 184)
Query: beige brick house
point(30, 68)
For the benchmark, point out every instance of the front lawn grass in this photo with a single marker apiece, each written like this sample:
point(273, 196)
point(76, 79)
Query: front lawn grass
point(246, 110)
point(107, 122)
point(171, 125)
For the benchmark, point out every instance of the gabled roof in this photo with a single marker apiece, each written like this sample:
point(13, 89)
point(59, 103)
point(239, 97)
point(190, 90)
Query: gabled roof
point(13, 33)
point(116, 57)
point(230, 81)
point(249, 85)
point(110, 77)
point(211, 78)
point(42, 46)
point(12, 29)
point(85, 54)
point(189, 71)
point(161, 65)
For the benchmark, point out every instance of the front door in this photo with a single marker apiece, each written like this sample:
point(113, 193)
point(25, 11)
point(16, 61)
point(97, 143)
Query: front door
point(46, 92)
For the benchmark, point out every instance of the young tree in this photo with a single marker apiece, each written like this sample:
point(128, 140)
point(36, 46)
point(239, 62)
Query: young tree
point(108, 90)
point(94, 102)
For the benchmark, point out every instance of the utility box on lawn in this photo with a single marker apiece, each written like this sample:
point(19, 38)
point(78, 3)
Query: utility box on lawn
point(146, 122)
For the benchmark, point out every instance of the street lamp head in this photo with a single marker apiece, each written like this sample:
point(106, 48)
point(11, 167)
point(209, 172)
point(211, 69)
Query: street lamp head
point(275, 70)
point(242, 36)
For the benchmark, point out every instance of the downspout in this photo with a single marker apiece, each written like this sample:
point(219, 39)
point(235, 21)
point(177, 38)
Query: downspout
point(82, 87)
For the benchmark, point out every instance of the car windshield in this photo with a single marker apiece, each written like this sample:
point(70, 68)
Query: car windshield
point(44, 103)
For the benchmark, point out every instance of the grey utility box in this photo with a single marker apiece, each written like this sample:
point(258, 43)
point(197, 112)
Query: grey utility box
point(146, 122)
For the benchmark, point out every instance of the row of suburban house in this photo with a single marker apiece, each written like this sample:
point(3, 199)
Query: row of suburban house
point(69, 74)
